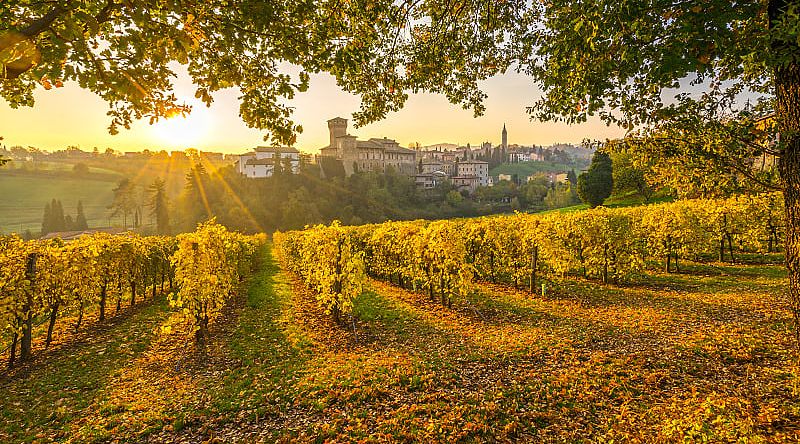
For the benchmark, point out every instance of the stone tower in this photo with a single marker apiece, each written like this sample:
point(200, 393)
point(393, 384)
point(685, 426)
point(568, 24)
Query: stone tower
point(338, 128)
point(505, 136)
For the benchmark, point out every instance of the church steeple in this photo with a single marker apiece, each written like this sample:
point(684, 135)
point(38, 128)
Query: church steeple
point(505, 138)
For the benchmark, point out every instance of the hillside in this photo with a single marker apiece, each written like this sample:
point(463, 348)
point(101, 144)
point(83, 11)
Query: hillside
point(525, 169)
point(24, 198)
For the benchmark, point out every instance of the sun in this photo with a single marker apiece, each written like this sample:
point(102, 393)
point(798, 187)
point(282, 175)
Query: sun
point(184, 131)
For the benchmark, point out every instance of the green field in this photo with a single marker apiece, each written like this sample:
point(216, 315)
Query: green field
point(22, 200)
point(46, 166)
point(705, 355)
point(525, 169)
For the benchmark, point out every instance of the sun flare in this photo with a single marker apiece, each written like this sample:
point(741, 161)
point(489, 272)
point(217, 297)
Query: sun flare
point(184, 131)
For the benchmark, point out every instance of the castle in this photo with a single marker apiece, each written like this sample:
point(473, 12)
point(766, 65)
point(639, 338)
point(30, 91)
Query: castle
point(367, 155)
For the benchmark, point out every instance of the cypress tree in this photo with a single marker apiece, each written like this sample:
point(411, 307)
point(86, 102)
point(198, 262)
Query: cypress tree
point(47, 220)
point(57, 215)
point(80, 218)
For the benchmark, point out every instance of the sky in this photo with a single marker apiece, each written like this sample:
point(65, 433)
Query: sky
point(72, 116)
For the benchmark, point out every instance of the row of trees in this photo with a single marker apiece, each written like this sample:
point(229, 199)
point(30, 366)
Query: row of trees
point(327, 262)
point(209, 264)
point(43, 281)
point(130, 201)
point(444, 258)
point(55, 220)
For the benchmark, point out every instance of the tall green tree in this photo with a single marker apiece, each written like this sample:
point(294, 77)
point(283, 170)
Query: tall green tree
point(158, 205)
point(596, 184)
point(80, 218)
point(57, 219)
point(124, 203)
point(47, 220)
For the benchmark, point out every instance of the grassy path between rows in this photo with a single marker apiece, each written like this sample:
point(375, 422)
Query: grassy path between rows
point(697, 356)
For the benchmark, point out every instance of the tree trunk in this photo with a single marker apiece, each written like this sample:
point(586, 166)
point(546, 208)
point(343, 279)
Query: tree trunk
point(80, 317)
point(13, 353)
point(103, 302)
point(27, 336)
point(730, 248)
point(787, 108)
point(53, 314)
point(787, 113)
point(200, 337)
point(27, 327)
point(491, 266)
point(534, 267)
point(133, 293)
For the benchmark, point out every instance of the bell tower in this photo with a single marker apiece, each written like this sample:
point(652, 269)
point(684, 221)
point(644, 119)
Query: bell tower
point(505, 137)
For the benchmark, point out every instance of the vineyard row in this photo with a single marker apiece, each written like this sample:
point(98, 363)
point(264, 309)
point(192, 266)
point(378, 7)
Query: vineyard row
point(445, 258)
point(42, 280)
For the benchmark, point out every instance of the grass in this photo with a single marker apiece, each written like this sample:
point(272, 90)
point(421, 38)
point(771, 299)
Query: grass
point(24, 198)
point(627, 200)
point(702, 355)
point(48, 398)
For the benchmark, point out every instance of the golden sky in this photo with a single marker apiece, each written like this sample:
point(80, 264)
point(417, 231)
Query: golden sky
point(72, 116)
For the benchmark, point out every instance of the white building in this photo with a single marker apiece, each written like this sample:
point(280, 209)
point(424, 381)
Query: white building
point(519, 157)
point(261, 162)
point(474, 168)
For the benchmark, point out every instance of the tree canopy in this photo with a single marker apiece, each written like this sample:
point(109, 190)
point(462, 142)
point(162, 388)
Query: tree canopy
point(623, 60)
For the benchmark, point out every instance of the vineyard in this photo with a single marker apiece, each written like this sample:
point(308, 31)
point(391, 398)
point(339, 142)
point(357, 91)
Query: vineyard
point(445, 259)
point(660, 323)
point(43, 280)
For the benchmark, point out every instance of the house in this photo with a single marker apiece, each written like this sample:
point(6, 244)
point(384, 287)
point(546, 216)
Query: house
point(474, 168)
point(519, 157)
point(261, 162)
point(429, 180)
point(466, 183)
point(449, 168)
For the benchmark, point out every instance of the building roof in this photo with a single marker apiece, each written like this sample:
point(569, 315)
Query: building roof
point(383, 140)
point(400, 149)
point(276, 149)
point(432, 173)
point(338, 119)
point(474, 162)
point(368, 144)
point(470, 177)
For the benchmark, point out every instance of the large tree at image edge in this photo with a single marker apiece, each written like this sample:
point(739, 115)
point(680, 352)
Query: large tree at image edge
point(619, 59)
